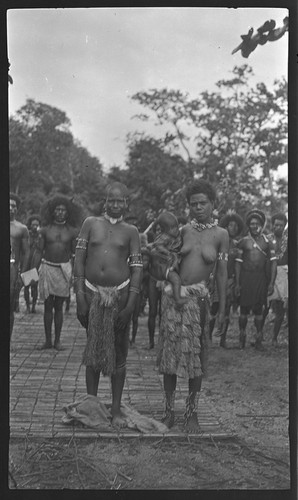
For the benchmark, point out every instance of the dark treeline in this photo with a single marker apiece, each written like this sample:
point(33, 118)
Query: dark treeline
point(238, 141)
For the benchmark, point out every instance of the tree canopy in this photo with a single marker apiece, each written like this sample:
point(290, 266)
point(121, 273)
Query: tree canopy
point(239, 139)
point(235, 137)
point(45, 159)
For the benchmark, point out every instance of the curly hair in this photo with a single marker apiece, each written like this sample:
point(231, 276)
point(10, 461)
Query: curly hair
point(74, 211)
point(232, 216)
point(201, 186)
point(279, 216)
point(32, 218)
point(16, 198)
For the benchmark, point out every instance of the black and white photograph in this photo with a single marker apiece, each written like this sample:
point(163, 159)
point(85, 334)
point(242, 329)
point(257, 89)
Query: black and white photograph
point(131, 129)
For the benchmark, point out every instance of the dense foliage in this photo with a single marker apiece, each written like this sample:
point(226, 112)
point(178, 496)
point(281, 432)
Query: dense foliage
point(236, 137)
point(46, 159)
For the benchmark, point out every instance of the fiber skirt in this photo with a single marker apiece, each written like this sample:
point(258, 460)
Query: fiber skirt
point(183, 336)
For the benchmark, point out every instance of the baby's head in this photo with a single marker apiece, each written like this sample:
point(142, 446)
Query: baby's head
point(168, 223)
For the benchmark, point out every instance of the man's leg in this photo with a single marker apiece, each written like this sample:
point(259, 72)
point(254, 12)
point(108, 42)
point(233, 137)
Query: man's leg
point(169, 385)
point(27, 298)
point(258, 322)
point(213, 314)
point(279, 317)
point(92, 380)
point(117, 381)
point(48, 320)
point(266, 312)
point(191, 413)
point(118, 378)
point(224, 331)
point(135, 319)
point(34, 293)
point(58, 320)
point(12, 288)
point(242, 326)
point(11, 315)
point(153, 295)
point(67, 304)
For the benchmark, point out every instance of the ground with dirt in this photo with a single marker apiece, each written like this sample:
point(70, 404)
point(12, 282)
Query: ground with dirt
point(249, 388)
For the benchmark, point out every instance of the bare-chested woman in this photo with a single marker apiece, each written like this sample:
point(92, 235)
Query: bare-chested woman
point(183, 337)
point(19, 253)
point(107, 275)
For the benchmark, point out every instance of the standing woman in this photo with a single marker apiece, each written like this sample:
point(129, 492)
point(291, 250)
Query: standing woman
point(183, 337)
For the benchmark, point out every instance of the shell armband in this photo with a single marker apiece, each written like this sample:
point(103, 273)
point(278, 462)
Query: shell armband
point(135, 260)
point(82, 243)
point(223, 256)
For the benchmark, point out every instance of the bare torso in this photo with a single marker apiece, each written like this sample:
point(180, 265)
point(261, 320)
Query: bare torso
point(109, 246)
point(18, 234)
point(199, 253)
point(58, 242)
point(253, 258)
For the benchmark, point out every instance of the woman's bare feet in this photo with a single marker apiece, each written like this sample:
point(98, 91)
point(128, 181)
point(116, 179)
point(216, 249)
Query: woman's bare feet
point(191, 423)
point(168, 419)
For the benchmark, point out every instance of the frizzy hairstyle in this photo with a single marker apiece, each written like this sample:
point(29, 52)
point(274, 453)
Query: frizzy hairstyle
point(232, 216)
point(201, 186)
point(279, 216)
point(74, 211)
point(16, 198)
point(31, 218)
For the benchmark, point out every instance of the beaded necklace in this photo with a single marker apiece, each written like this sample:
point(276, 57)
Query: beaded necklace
point(112, 220)
point(200, 227)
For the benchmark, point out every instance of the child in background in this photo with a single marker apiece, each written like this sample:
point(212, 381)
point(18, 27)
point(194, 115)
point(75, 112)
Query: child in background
point(164, 254)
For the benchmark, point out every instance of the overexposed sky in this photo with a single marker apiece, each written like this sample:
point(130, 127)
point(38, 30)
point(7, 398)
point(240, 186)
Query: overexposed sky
point(88, 62)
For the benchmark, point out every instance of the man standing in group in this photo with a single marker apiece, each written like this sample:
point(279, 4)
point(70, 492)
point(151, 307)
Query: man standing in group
point(58, 239)
point(107, 275)
point(233, 223)
point(251, 280)
point(279, 298)
point(19, 253)
point(33, 225)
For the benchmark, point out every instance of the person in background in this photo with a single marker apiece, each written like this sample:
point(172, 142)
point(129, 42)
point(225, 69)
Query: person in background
point(279, 299)
point(33, 225)
point(234, 224)
point(154, 293)
point(143, 287)
point(252, 286)
point(58, 241)
point(19, 253)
